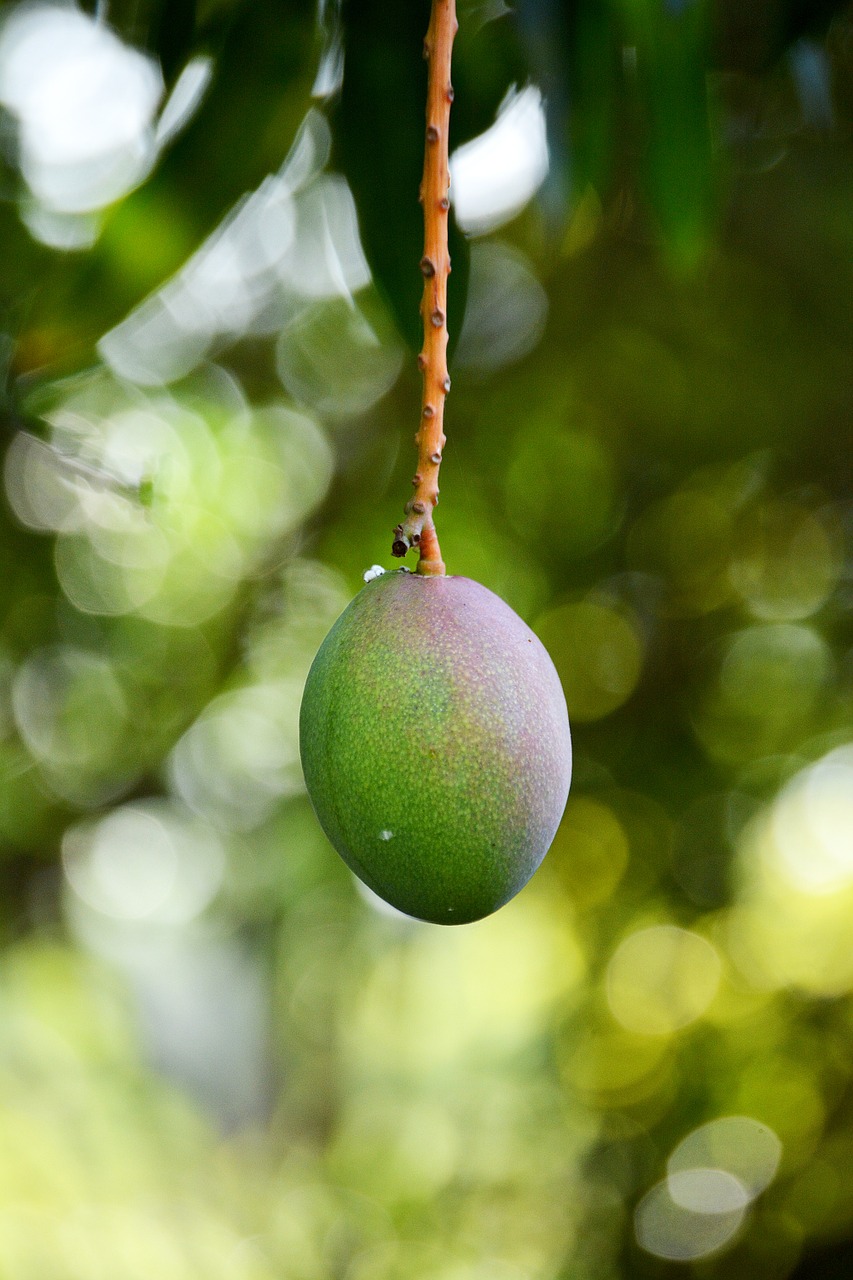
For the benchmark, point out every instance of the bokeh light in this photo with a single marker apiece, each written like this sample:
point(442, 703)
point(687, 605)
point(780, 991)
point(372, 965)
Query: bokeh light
point(662, 978)
point(788, 561)
point(72, 714)
point(495, 175)
point(144, 861)
point(598, 654)
point(686, 540)
point(812, 826)
point(738, 1145)
point(84, 104)
point(331, 358)
point(713, 1175)
point(591, 851)
point(224, 480)
point(506, 309)
point(796, 883)
point(769, 685)
point(675, 1231)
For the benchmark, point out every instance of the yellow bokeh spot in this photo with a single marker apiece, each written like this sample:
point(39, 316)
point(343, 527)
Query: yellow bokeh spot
point(780, 1091)
point(615, 1067)
point(787, 562)
point(661, 979)
point(590, 851)
point(475, 993)
point(769, 686)
point(686, 541)
point(598, 654)
point(791, 923)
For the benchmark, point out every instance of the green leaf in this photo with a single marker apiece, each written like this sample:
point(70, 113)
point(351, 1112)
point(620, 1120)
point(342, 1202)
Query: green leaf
point(379, 138)
point(671, 40)
point(575, 56)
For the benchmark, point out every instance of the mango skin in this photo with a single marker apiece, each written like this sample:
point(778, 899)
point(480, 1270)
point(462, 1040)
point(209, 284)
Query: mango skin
point(435, 745)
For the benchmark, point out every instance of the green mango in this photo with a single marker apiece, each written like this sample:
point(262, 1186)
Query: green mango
point(435, 745)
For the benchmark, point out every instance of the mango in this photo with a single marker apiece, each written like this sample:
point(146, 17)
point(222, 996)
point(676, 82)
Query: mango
point(435, 745)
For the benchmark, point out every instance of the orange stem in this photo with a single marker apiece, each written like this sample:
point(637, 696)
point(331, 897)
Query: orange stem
point(418, 528)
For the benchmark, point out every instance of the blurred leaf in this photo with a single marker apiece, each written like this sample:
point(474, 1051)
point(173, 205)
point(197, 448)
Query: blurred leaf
point(173, 35)
point(752, 37)
point(671, 40)
point(595, 87)
point(575, 57)
point(379, 130)
point(488, 58)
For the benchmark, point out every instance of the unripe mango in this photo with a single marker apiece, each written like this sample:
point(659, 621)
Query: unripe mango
point(435, 745)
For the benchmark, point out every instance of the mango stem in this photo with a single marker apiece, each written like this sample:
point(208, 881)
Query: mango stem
point(418, 529)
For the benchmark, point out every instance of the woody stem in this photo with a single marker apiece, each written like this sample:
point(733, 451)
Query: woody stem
point(418, 528)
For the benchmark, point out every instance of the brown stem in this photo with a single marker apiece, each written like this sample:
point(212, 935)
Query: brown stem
point(418, 528)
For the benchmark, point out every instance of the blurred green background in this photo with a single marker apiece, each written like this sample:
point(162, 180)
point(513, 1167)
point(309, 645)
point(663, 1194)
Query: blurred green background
point(219, 1057)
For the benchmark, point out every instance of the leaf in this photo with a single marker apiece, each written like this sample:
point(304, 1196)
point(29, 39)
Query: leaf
point(174, 35)
point(379, 137)
point(595, 93)
point(488, 58)
point(672, 44)
point(575, 54)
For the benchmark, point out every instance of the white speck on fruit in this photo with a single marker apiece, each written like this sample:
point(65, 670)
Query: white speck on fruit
point(375, 571)
point(386, 835)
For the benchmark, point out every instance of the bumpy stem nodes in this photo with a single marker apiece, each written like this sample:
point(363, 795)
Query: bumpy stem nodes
point(418, 529)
